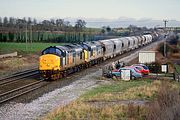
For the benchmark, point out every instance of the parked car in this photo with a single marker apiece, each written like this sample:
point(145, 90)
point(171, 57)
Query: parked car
point(134, 72)
point(143, 68)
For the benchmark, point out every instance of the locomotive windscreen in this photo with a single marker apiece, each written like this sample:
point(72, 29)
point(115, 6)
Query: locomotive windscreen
point(52, 50)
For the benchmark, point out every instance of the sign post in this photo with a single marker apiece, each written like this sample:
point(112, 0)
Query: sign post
point(126, 75)
point(164, 68)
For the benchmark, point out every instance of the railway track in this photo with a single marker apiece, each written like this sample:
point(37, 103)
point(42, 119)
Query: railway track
point(9, 95)
point(18, 76)
point(17, 91)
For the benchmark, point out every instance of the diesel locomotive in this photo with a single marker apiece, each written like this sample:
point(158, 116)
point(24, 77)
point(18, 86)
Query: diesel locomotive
point(58, 61)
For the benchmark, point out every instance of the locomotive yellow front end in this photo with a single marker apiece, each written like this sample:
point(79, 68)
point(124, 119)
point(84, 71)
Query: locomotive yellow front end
point(49, 66)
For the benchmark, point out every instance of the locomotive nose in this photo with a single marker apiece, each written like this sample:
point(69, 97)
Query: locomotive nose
point(49, 62)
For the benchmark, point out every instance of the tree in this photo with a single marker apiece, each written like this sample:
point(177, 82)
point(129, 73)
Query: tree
point(108, 29)
point(21, 23)
point(0, 21)
point(174, 40)
point(34, 21)
point(12, 21)
point(24, 20)
point(5, 21)
point(67, 23)
point(80, 24)
point(59, 22)
point(103, 31)
point(132, 28)
point(52, 21)
point(29, 21)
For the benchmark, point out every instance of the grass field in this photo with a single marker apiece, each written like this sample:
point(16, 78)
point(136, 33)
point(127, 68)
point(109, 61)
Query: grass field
point(160, 100)
point(106, 92)
point(7, 47)
point(99, 102)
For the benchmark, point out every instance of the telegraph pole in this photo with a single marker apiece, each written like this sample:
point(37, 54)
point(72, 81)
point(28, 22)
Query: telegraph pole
point(31, 36)
point(26, 36)
point(165, 25)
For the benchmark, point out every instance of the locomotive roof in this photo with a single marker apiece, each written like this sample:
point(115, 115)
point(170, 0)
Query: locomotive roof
point(74, 47)
point(90, 45)
point(63, 48)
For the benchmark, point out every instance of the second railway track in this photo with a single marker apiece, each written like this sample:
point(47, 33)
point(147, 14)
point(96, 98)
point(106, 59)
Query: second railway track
point(18, 76)
point(11, 94)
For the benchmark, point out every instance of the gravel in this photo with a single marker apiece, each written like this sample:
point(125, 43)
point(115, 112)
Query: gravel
point(45, 103)
point(59, 97)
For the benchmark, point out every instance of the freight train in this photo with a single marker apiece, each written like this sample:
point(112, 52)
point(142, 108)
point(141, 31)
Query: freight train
point(58, 61)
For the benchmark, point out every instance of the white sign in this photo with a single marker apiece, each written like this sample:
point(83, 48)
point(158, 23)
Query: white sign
point(164, 68)
point(126, 75)
point(147, 56)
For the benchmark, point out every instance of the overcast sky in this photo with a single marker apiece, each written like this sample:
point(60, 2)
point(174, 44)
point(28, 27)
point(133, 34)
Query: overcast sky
point(109, 9)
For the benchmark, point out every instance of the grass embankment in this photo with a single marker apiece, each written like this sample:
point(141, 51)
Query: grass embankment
point(121, 91)
point(122, 100)
point(177, 67)
point(8, 47)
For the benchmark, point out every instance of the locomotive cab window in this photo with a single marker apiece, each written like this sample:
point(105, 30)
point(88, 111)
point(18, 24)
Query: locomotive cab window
point(52, 50)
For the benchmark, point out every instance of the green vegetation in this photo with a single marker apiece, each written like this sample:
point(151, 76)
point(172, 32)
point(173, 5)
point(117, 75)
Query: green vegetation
point(140, 89)
point(177, 67)
point(104, 102)
point(7, 47)
point(178, 46)
point(117, 87)
point(113, 102)
point(55, 37)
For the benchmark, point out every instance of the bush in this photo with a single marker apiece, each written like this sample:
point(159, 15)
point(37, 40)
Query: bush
point(174, 40)
point(167, 105)
point(154, 67)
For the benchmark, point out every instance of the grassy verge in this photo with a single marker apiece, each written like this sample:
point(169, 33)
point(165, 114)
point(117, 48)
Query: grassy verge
point(177, 68)
point(7, 47)
point(122, 90)
point(104, 102)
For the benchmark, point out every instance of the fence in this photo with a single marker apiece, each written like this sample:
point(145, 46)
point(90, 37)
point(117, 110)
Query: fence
point(8, 55)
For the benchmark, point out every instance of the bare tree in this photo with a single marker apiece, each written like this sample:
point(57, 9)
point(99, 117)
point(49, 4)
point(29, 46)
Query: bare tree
point(80, 24)
point(12, 22)
point(52, 21)
point(34, 21)
point(29, 21)
point(59, 22)
point(0, 21)
point(5, 21)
